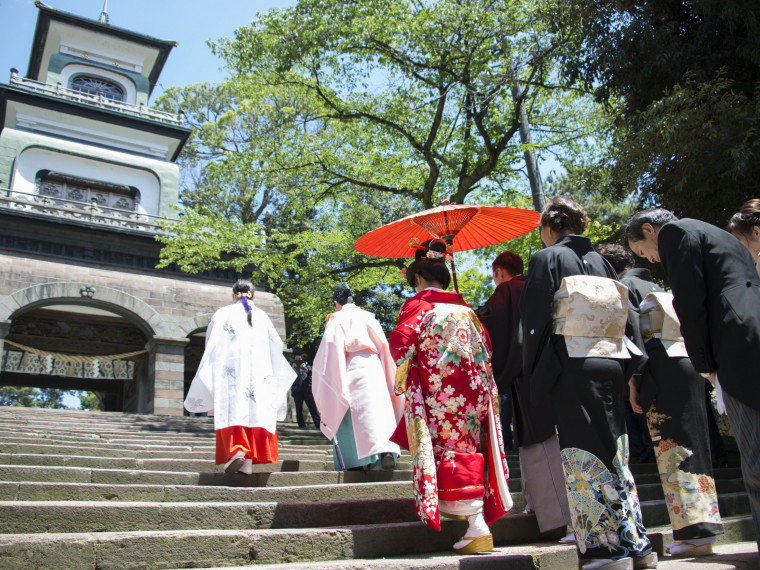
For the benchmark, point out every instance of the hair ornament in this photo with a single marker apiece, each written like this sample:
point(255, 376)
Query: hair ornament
point(403, 272)
point(246, 294)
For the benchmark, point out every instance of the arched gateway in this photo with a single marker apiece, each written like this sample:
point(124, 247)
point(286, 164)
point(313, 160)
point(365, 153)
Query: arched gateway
point(87, 181)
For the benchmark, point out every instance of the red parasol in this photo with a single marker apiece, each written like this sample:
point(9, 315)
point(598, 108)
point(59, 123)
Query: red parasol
point(465, 226)
point(462, 226)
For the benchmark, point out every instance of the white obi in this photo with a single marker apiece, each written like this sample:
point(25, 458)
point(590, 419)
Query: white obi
point(591, 313)
point(659, 320)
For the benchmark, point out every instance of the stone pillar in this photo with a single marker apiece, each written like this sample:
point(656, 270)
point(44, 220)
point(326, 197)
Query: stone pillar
point(166, 376)
point(5, 328)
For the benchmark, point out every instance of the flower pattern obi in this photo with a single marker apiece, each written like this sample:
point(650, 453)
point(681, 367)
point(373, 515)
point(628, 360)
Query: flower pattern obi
point(591, 313)
point(443, 357)
point(659, 320)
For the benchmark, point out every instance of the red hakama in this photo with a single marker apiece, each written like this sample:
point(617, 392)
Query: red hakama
point(258, 444)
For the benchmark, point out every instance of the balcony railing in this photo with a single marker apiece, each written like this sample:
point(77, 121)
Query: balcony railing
point(93, 212)
point(97, 100)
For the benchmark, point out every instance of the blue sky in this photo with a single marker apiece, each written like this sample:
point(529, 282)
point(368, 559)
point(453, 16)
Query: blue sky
point(190, 22)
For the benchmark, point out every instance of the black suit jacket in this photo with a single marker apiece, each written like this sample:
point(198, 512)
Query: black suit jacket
point(716, 293)
point(501, 318)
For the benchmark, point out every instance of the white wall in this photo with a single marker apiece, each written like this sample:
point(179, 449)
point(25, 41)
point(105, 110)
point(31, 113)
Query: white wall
point(32, 160)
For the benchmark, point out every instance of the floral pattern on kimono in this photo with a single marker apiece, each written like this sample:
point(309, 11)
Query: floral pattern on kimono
point(604, 505)
point(443, 360)
point(691, 497)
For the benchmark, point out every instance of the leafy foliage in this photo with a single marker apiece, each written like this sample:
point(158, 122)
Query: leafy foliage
point(343, 116)
point(89, 401)
point(682, 78)
point(416, 98)
point(27, 397)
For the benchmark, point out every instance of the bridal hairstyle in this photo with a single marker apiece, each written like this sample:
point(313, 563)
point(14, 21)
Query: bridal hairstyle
point(430, 263)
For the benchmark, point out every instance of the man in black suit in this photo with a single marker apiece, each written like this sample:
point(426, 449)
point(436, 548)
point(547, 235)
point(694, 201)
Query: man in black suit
point(535, 434)
point(716, 292)
point(500, 317)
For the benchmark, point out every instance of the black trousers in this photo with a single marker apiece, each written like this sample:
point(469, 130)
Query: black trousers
point(299, 398)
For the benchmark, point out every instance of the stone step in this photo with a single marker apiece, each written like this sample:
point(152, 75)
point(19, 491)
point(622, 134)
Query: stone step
point(157, 430)
point(228, 511)
point(208, 447)
point(214, 548)
point(539, 556)
point(167, 440)
point(153, 479)
point(157, 464)
point(14, 473)
point(101, 451)
point(38, 492)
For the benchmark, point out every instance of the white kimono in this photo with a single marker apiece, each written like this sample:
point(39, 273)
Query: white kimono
point(354, 369)
point(243, 376)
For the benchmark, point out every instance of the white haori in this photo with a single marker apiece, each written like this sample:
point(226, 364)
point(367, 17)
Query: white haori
point(354, 369)
point(243, 377)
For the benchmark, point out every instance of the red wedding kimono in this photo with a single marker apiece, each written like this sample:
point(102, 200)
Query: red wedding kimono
point(451, 415)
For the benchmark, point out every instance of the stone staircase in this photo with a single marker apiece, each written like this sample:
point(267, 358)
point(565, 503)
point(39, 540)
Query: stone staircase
point(91, 490)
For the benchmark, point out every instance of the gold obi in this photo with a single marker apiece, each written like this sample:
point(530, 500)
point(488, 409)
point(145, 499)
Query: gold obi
point(591, 313)
point(659, 320)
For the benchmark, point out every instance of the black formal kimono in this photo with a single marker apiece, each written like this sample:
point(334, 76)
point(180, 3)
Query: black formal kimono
point(587, 396)
point(716, 292)
point(674, 403)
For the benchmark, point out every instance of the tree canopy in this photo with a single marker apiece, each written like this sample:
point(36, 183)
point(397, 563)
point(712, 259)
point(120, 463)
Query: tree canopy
point(683, 80)
point(340, 117)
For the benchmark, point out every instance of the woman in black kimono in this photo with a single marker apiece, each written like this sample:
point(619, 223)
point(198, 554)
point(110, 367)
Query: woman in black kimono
point(587, 395)
point(671, 394)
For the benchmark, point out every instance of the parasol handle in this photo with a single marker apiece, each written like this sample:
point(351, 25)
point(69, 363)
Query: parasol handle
point(448, 238)
point(454, 274)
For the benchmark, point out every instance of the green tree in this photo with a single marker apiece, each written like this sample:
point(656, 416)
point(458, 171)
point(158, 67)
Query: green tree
point(682, 79)
point(89, 401)
point(415, 97)
point(27, 397)
point(343, 116)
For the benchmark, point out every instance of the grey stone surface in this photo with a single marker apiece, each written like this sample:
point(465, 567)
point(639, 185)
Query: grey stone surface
point(154, 481)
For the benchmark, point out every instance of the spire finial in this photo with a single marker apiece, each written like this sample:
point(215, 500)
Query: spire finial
point(104, 14)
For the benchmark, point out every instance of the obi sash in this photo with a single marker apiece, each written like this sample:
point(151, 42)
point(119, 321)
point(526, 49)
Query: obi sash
point(591, 313)
point(659, 320)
